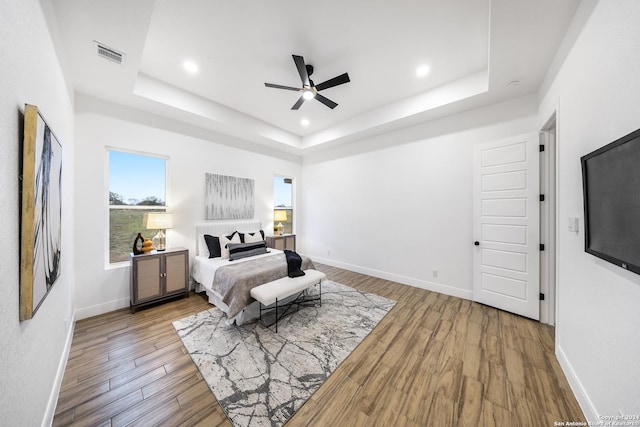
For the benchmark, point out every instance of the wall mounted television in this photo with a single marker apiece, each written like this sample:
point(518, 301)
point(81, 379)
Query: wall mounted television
point(611, 189)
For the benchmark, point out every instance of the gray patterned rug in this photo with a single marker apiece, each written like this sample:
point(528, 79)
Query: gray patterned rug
point(261, 378)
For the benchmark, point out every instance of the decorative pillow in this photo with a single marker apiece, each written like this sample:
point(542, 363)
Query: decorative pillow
point(203, 250)
point(213, 244)
point(225, 240)
point(256, 236)
point(244, 250)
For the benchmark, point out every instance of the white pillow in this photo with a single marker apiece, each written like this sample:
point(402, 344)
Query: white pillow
point(253, 237)
point(224, 250)
point(203, 249)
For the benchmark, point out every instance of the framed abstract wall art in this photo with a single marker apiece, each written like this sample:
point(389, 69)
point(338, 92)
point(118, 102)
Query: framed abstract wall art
point(41, 214)
point(228, 197)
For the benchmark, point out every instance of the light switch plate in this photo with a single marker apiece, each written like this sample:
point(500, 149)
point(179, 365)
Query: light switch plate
point(574, 224)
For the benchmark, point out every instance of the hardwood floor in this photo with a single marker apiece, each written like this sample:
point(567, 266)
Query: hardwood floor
point(433, 360)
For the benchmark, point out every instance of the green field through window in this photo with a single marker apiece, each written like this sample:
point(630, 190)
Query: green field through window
point(137, 186)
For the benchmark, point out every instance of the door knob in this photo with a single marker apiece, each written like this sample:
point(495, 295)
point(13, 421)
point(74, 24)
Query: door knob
point(476, 243)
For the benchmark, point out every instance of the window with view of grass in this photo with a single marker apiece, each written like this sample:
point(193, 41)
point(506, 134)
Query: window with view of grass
point(137, 186)
point(283, 203)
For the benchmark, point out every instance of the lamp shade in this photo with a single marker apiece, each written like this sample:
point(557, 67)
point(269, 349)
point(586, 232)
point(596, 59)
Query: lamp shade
point(280, 216)
point(159, 221)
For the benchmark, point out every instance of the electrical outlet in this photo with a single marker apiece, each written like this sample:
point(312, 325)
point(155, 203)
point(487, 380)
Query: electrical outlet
point(434, 273)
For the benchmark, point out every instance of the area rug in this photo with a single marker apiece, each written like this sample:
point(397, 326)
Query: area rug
point(261, 378)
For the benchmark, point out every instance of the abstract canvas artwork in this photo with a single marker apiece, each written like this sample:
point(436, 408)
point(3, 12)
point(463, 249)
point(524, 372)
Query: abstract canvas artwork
point(228, 197)
point(41, 212)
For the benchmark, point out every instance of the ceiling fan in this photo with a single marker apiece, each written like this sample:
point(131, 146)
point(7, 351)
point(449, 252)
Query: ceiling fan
point(309, 89)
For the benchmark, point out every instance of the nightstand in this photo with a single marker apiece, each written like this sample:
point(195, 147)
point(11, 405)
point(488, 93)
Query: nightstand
point(286, 241)
point(158, 276)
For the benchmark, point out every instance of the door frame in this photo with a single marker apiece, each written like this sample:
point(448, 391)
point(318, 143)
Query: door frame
point(549, 214)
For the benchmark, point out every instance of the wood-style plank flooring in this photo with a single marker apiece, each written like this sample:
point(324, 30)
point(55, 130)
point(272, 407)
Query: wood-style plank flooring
point(434, 360)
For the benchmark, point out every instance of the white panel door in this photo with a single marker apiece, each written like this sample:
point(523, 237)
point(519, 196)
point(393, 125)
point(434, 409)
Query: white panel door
point(507, 225)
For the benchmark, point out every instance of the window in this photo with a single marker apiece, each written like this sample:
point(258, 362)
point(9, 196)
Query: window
point(137, 185)
point(283, 203)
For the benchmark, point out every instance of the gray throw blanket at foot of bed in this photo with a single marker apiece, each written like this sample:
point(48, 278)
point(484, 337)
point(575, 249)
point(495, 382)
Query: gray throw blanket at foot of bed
point(234, 282)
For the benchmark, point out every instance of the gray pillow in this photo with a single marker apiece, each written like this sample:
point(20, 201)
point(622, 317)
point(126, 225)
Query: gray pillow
point(244, 250)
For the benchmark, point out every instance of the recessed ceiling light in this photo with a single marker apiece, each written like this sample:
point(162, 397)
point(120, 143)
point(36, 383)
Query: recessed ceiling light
point(305, 122)
point(422, 70)
point(190, 66)
point(513, 84)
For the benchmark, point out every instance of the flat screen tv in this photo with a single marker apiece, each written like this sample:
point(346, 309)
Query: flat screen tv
point(611, 188)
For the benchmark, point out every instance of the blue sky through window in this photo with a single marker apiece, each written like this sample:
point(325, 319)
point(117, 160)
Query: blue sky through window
point(282, 193)
point(136, 177)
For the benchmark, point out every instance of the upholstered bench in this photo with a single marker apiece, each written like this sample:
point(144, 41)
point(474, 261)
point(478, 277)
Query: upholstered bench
point(270, 293)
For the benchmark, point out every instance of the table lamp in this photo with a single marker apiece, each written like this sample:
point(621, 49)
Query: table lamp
point(159, 221)
point(280, 216)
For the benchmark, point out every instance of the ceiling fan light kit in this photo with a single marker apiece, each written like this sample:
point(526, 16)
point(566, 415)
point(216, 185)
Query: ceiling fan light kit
point(309, 89)
point(308, 93)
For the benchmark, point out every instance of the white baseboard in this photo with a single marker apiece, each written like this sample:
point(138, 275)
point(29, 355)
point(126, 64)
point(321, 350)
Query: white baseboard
point(411, 281)
point(582, 397)
point(94, 310)
point(47, 420)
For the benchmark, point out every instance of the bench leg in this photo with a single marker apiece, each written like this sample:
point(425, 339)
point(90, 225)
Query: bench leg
point(288, 306)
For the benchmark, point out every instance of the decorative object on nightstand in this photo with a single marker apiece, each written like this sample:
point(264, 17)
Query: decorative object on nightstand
point(147, 246)
point(159, 276)
point(280, 216)
point(159, 221)
point(139, 240)
point(286, 241)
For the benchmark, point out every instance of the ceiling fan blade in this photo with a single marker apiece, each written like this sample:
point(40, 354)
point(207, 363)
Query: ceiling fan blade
point(282, 87)
point(326, 101)
point(298, 103)
point(341, 79)
point(302, 69)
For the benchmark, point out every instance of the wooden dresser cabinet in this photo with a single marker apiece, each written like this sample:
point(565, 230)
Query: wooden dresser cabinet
point(286, 241)
point(158, 276)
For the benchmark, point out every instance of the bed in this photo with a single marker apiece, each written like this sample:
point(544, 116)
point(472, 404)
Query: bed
point(228, 283)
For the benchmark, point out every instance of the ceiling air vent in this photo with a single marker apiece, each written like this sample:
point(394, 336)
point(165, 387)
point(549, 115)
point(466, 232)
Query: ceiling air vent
point(109, 54)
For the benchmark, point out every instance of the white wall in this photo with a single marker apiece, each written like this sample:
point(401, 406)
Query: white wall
point(597, 96)
point(100, 125)
point(399, 206)
point(31, 351)
point(406, 193)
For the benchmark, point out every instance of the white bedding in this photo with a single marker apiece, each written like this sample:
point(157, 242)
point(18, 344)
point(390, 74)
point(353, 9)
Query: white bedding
point(203, 272)
point(203, 269)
